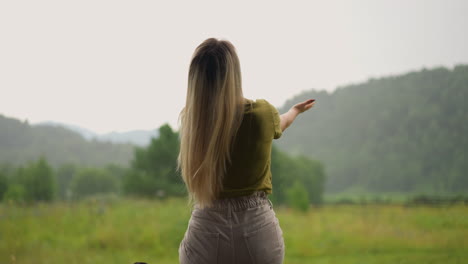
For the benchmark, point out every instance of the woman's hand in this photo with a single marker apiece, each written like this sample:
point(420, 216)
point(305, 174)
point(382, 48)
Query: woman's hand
point(304, 106)
point(288, 117)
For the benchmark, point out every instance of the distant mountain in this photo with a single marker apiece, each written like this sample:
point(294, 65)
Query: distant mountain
point(401, 133)
point(86, 133)
point(20, 142)
point(137, 137)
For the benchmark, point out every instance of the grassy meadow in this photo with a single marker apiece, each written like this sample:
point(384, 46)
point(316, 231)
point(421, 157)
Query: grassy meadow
point(126, 230)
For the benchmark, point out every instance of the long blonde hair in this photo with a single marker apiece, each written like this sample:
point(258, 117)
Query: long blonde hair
point(210, 119)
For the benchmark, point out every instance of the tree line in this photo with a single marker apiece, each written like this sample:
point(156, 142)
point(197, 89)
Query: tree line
point(297, 180)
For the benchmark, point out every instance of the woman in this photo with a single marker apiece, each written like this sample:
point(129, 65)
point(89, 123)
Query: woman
point(224, 160)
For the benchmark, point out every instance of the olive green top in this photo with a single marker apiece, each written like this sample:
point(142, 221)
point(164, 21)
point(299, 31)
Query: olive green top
point(251, 153)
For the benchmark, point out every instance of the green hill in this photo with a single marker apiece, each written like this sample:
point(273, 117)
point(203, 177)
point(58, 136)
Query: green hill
point(20, 142)
point(405, 133)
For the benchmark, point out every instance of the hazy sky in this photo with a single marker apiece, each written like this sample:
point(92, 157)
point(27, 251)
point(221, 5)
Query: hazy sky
point(122, 65)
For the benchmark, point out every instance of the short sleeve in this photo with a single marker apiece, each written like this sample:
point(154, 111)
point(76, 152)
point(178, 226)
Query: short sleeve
point(276, 121)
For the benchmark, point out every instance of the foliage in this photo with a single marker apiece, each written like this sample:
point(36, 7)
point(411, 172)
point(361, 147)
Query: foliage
point(33, 181)
point(3, 184)
point(403, 133)
point(153, 171)
point(287, 169)
point(297, 197)
point(38, 180)
point(65, 174)
point(91, 181)
point(15, 193)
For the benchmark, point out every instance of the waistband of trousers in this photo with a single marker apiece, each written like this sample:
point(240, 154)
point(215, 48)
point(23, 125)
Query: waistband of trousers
point(258, 198)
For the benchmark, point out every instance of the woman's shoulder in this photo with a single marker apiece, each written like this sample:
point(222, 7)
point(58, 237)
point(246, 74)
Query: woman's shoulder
point(262, 108)
point(258, 105)
point(264, 103)
point(267, 115)
point(258, 101)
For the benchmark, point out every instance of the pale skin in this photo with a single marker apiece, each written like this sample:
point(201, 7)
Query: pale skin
point(288, 117)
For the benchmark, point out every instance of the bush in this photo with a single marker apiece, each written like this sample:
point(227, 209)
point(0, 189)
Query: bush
point(3, 184)
point(91, 181)
point(38, 180)
point(297, 197)
point(15, 193)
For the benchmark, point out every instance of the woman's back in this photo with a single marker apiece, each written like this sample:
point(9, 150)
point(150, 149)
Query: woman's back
point(249, 170)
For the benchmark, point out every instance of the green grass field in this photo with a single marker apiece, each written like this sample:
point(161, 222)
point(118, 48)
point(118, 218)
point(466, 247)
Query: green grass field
point(126, 231)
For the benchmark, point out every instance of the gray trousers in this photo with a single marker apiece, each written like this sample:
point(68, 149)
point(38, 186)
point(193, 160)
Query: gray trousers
point(235, 230)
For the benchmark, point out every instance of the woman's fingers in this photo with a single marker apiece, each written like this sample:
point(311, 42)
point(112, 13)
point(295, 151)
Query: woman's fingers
point(310, 104)
point(306, 105)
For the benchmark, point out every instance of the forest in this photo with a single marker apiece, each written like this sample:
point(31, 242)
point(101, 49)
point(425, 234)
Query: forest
point(404, 133)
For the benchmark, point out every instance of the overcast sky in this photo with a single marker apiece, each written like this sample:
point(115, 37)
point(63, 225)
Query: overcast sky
point(122, 65)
